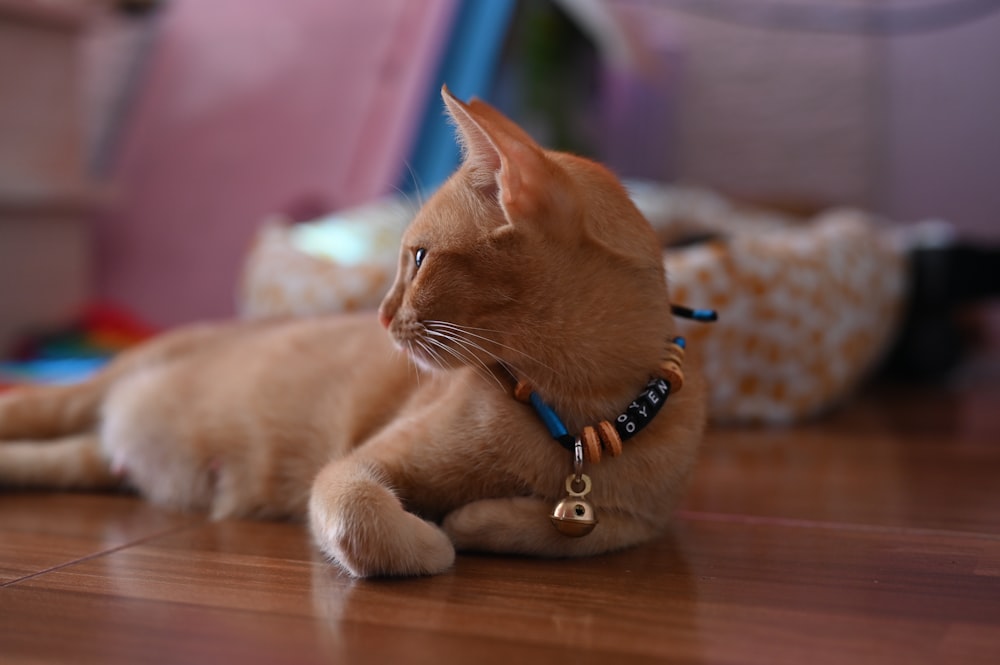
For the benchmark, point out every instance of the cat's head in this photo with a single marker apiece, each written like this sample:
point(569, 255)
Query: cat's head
point(529, 257)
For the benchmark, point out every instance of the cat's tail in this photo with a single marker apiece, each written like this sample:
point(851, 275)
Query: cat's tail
point(38, 413)
point(49, 412)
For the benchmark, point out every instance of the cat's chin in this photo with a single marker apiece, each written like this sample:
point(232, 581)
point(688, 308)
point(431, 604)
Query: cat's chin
point(425, 364)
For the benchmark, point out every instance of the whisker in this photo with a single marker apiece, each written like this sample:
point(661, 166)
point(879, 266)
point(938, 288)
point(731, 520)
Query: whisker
point(426, 344)
point(468, 344)
point(460, 354)
point(434, 355)
point(470, 351)
point(466, 357)
point(418, 187)
point(411, 362)
point(449, 323)
point(465, 331)
point(430, 342)
point(452, 332)
point(455, 328)
point(465, 354)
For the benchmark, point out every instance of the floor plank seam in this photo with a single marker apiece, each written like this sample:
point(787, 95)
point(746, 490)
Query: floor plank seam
point(95, 555)
point(796, 523)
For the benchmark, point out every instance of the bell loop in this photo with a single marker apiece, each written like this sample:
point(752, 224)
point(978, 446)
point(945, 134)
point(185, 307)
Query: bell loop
point(578, 459)
point(582, 481)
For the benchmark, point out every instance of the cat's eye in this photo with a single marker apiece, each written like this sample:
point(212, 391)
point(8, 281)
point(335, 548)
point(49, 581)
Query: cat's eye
point(418, 256)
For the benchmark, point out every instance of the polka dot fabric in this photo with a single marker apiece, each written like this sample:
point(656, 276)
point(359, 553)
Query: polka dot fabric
point(280, 279)
point(341, 263)
point(806, 308)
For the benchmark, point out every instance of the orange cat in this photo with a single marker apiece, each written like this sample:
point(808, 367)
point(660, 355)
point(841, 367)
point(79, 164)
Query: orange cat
point(526, 265)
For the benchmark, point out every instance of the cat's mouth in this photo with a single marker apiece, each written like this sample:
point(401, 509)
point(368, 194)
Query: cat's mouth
point(412, 338)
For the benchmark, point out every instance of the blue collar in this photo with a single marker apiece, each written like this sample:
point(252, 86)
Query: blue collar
point(608, 435)
point(628, 423)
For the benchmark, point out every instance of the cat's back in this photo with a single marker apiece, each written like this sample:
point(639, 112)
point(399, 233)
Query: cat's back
point(313, 359)
point(296, 345)
point(312, 372)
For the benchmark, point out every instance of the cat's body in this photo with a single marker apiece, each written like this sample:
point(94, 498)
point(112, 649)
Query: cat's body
point(526, 265)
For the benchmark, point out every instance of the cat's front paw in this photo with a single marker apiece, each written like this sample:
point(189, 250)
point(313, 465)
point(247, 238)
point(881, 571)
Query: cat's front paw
point(400, 545)
point(361, 525)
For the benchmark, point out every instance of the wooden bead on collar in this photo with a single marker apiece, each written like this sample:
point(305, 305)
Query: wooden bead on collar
point(591, 444)
point(670, 368)
point(522, 391)
point(609, 438)
point(673, 374)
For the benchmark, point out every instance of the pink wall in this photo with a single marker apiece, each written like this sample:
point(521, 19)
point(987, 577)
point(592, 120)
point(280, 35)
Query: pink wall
point(250, 107)
point(907, 124)
point(943, 127)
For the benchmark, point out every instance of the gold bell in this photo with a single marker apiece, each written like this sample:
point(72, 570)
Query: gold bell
point(574, 516)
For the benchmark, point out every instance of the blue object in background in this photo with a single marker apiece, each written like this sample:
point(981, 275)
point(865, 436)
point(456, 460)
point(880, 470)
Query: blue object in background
point(50, 370)
point(468, 68)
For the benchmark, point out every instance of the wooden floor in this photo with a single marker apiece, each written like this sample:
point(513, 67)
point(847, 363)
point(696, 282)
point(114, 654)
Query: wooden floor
point(872, 536)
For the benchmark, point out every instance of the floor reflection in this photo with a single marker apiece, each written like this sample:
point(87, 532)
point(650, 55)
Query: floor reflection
point(489, 603)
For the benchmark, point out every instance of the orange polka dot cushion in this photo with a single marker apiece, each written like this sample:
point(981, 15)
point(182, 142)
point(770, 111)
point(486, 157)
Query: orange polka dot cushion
point(340, 263)
point(806, 308)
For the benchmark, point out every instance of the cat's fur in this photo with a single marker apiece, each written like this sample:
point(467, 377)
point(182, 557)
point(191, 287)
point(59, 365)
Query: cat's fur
point(537, 265)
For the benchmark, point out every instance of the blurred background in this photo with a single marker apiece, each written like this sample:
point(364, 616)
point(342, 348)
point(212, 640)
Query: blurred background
point(144, 143)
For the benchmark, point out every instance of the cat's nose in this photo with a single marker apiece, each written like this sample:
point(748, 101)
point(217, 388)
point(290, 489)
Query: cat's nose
point(389, 306)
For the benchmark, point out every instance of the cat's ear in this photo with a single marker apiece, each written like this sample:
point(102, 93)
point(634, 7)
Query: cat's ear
point(478, 149)
point(502, 158)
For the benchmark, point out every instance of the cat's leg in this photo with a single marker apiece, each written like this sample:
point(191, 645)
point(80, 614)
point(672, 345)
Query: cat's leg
point(165, 450)
point(73, 462)
point(521, 525)
point(359, 522)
